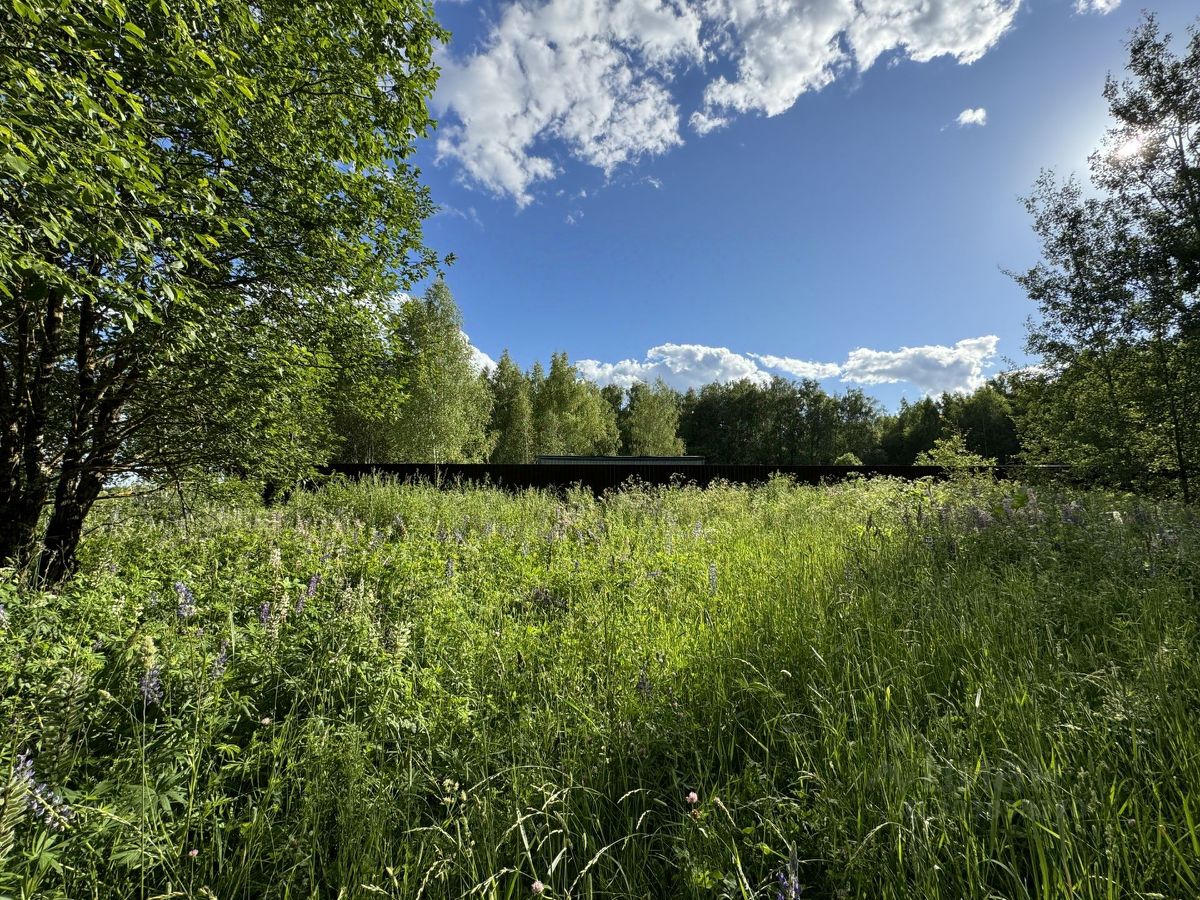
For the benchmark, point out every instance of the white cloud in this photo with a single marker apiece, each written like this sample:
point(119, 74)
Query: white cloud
point(934, 369)
point(479, 359)
point(680, 365)
point(977, 116)
point(589, 73)
point(1103, 7)
point(800, 368)
point(593, 78)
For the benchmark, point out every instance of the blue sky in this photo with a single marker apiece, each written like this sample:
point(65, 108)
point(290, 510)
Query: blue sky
point(739, 188)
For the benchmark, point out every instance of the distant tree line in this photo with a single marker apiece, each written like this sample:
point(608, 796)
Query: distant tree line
point(413, 395)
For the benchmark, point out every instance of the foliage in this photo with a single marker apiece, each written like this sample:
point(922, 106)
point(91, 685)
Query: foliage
point(951, 452)
point(512, 413)
point(649, 421)
point(787, 422)
point(190, 189)
point(1119, 326)
point(445, 416)
point(880, 690)
point(570, 415)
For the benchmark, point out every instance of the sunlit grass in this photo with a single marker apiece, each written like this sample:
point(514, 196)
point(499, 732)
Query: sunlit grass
point(876, 690)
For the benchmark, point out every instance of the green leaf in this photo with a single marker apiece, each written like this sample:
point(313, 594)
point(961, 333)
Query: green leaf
point(15, 163)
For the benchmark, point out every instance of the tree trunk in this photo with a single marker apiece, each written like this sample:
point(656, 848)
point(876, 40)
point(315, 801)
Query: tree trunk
point(76, 494)
point(25, 481)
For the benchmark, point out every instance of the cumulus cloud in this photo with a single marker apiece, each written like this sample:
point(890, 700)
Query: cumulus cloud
point(934, 369)
point(593, 79)
point(799, 368)
point(682, 366)
point(977, 116)
point(589, 73)
point(1103, 7)
point(479, 359)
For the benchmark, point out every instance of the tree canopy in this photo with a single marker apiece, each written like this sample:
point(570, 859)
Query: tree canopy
point(193, 195)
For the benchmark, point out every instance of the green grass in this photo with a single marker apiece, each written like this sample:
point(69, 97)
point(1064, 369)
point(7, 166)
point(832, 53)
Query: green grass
point(881, 690)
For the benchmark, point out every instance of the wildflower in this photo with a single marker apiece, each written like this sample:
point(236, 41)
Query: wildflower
point(1072, 513)
point(309, 592)
point(151, 686)
point(186, 608)
point(693, 798)
point(538, 888)
point(712, 578)
point(980, 517)
point(3, 616)
point(41, 801)
point(1117, 518)
point(789, 880)
point(193, 853)
point(264, 612)
point(266, 720)
point(219, 664)
point(450, 568)
point(276, 559)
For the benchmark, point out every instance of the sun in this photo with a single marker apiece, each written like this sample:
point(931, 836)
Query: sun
point(1130, 147)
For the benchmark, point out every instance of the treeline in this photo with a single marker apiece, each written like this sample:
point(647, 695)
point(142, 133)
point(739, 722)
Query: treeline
point(413, 395)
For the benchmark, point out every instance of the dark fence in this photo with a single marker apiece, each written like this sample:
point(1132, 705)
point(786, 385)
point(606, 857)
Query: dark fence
point(606, 476)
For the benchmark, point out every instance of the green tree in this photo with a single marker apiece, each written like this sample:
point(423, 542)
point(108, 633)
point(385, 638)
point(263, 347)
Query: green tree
point(649, 422)
point(1119, 324)
point(169, 175)
point(445, 416)
point(912, 431)
point(984, 418)
point(570, 415)
point(512, 413)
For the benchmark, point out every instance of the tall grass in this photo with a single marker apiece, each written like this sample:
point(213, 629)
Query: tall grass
point(875, 690)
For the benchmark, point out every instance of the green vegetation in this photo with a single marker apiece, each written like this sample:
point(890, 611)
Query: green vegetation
point(878, 689)
point(199, 202)
point(1118, 330)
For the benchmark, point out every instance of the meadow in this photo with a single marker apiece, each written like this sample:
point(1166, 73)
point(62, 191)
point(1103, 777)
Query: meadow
point(867, 690)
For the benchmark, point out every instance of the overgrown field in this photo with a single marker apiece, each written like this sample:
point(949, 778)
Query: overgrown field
point(873, 690)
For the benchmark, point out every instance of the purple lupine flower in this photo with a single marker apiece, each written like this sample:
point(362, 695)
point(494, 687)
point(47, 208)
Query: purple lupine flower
point(41, 801)
point(151, 686)
point(264, 612)
point(309, 592)
point(186, 608)
point(980, 517)
point(788, 880)
point(450, 568)
point(219, 664)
